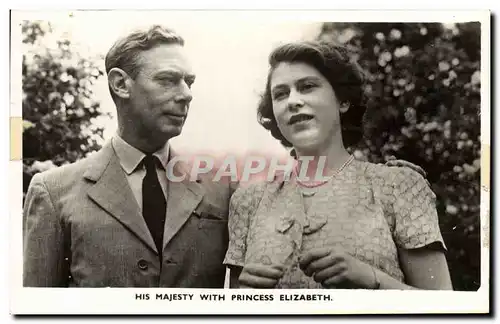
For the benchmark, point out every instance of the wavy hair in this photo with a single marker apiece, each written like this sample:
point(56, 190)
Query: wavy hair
point(335, 64)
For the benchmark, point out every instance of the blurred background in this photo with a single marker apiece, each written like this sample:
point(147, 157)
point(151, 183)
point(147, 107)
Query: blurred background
point(423, 103)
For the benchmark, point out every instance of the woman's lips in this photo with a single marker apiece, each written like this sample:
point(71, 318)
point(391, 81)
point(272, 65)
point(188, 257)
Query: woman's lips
point(300, 119)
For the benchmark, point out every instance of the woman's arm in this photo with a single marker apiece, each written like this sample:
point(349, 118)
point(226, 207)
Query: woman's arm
point(416, 232)
point(425, 268)
point(241, 207)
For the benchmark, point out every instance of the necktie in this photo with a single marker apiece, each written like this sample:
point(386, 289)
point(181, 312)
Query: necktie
point(153, 202)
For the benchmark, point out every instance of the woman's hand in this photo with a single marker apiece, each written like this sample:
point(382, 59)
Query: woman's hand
point(260, 276)
point(333, 268)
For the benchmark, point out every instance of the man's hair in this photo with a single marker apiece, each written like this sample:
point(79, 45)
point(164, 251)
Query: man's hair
point(125, 52)
point(335, 64)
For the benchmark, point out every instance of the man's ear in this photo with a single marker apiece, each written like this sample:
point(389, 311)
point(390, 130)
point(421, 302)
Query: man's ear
point(119, 82)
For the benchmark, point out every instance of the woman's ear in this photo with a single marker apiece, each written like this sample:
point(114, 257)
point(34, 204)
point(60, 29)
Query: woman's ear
point(119, 82)
point(344, 107)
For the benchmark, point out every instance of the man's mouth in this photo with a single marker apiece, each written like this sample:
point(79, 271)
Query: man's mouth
point(176, 118)
point(176, 115)
point(300, 118)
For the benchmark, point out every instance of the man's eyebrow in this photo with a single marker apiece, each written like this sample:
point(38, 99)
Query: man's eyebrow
point(175, 74)
point(170, 73)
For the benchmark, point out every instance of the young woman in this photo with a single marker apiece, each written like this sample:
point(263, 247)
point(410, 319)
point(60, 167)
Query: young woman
point(364, 225)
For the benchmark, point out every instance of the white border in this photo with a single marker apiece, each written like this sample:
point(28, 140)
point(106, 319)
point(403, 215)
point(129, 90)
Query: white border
point(122, 301)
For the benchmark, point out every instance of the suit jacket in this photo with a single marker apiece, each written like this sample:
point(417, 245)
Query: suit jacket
point(83, 228)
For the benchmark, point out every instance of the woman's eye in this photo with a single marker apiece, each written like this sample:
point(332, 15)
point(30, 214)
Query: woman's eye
point(307, 86)
point(279, 95)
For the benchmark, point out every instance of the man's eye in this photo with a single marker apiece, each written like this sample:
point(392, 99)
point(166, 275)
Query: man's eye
point(167, 81)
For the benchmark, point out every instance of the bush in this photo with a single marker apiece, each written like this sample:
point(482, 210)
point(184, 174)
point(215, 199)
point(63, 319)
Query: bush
point(423, 106)
point(58, 107)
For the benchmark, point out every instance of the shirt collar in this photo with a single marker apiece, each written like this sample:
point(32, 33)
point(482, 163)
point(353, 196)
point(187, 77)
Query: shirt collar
point(163, 155)
point(130, 157)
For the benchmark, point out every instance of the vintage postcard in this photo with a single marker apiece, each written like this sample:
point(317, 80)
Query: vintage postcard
point(250, 162)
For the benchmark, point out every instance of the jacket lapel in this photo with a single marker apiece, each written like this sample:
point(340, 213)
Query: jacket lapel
point(183, 198)
point(112, 192)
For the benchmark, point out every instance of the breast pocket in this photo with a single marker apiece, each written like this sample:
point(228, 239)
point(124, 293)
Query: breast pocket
point(211, 241)
point(211, 228)
point(209, 216)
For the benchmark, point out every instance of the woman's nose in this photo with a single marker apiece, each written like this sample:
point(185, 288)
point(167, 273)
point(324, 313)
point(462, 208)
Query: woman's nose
point(295, 100)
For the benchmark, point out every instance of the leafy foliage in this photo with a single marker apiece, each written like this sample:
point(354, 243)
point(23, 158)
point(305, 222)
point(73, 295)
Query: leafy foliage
point(58, 107)
point(423, 106)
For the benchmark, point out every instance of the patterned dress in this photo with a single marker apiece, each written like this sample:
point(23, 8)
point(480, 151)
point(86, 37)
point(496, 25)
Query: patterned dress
point(368, 210)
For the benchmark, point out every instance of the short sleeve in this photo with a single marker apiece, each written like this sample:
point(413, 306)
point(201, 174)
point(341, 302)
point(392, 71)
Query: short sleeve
point(242, 207)
point(415, 217)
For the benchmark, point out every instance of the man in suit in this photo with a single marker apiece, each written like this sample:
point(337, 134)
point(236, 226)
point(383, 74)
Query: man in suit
point(114, 219)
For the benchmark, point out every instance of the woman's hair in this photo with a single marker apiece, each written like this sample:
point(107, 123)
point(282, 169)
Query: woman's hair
point(335, 64)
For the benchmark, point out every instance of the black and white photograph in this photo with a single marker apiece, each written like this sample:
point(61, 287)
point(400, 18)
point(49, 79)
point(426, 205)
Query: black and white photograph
point(240, 162)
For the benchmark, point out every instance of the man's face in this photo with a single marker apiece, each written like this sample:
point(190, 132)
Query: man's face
point(161, 92)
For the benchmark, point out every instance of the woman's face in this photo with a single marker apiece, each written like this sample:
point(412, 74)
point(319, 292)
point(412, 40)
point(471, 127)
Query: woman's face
point(305, 106)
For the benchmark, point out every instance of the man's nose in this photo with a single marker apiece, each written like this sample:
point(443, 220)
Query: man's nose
point(185, 93)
